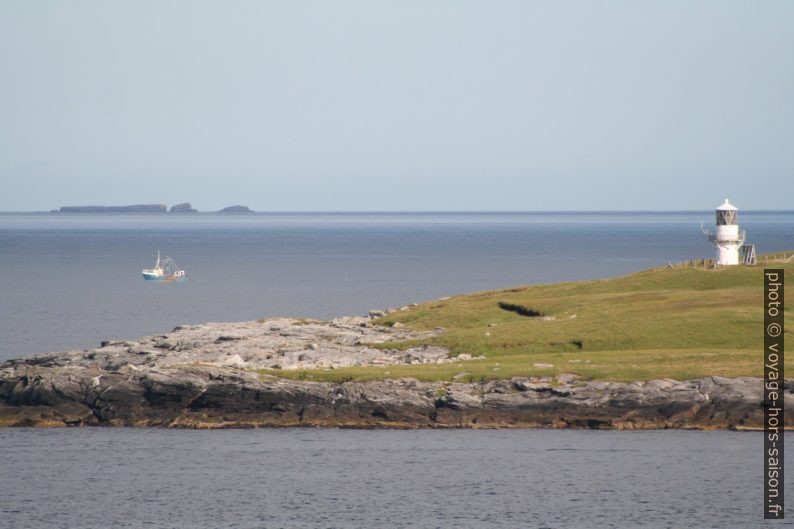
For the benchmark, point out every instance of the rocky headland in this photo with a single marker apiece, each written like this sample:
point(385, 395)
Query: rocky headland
point(219, 375)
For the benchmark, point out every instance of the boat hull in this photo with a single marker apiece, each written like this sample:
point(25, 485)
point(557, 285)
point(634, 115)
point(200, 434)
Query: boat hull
point(152, 277)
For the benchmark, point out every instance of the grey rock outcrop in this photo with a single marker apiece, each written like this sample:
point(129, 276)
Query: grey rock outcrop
point(277, 343)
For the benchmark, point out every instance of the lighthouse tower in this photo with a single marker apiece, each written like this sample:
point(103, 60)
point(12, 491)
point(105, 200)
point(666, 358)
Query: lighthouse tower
point(728, 238)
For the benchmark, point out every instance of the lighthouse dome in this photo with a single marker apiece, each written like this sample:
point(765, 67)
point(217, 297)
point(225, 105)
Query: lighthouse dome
point(727, 206)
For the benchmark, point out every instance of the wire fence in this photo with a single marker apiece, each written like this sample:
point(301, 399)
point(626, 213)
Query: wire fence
point(704, 264)
point(709, 264)
point(784, 257)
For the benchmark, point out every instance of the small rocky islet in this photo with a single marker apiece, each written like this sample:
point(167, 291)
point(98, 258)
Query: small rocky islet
point(220, 375)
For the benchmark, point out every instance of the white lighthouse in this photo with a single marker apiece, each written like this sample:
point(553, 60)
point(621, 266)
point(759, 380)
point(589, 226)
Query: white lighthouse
point(728, 238)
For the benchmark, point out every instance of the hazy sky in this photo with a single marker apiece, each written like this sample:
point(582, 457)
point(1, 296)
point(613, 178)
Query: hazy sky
point(397, 105)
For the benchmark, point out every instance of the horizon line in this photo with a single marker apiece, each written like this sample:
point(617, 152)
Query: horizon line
point(391, 212)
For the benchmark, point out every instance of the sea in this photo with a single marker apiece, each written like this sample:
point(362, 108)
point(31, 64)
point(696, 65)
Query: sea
point(70, 281)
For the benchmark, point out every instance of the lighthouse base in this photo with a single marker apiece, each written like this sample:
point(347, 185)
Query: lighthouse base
point(727, 255)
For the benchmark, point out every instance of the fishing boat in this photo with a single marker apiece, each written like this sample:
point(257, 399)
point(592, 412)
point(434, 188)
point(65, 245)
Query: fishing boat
point(164, 270)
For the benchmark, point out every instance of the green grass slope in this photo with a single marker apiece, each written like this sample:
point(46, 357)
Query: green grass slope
point(660, 323)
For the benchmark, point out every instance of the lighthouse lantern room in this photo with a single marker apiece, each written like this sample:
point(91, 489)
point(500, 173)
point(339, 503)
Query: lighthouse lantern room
point(728, 238)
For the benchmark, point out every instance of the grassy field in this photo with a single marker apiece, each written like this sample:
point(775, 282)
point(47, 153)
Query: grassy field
point(678, 323)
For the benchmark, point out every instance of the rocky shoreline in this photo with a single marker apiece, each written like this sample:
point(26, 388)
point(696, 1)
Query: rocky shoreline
point(208, 376)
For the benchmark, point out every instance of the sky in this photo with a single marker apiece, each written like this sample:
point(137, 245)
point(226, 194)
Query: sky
point(410, 105)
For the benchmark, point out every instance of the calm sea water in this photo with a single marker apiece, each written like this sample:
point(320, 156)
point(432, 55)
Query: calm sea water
point(347, 479)
point(70, 281)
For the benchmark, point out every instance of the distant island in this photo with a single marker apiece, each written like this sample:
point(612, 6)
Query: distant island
point(137, 208)
point(184, 207)
point(236, 209)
